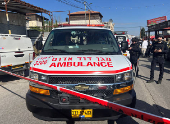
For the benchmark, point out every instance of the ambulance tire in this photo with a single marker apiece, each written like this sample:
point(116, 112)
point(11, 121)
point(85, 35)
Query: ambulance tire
point(70, 122)
point(132, 105)
point(110, 122)
point(32, 108)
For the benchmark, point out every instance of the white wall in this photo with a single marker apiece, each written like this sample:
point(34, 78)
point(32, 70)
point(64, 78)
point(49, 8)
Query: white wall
point(87, 22)
point(34, 23)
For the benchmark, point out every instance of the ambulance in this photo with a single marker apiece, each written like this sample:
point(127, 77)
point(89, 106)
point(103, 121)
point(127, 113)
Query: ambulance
point(84, 59)
point(123, 36)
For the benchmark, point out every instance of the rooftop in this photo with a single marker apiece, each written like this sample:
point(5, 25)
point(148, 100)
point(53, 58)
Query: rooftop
point(87, 12)
point(31, 14)
point(21, 7)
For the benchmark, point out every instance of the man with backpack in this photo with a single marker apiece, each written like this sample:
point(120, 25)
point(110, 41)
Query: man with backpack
point(159, 49)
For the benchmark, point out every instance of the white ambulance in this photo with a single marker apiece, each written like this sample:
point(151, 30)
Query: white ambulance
point(16, 51)
point(84, 59)
point(123, 36)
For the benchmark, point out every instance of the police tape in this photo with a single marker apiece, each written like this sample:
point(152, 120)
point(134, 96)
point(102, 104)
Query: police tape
point(114, 106)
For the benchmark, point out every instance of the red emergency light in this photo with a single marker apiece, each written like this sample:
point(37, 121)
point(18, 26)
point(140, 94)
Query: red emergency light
point(92, 25)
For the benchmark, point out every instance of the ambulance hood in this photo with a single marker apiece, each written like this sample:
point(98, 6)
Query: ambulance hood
point(80, 64)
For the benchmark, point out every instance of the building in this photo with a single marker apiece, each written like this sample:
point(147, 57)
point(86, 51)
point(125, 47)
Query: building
point(109, 25)
point(34, 20)
point(12, 16)
point(79, 17)
point(17, 23)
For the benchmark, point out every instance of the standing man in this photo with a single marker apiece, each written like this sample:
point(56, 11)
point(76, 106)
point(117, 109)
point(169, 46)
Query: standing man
point(144, 47)
point(134, 54)
point(159, 49)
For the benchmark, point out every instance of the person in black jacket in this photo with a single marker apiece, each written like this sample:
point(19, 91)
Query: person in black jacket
point(148, 51)
point(159, 48)
point(134, 54)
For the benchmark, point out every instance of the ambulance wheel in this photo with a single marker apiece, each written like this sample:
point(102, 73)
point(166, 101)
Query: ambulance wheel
point(110, 121)
point(70, 122)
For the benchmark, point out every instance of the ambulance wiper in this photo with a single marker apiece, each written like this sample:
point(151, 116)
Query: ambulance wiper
point(91, 51)
point(58, 50)
point(98, 52)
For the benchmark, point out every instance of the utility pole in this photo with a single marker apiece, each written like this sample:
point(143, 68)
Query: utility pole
point(140, 30)
point(85, 10)
point(69, 16)
point(7, 17)
point(89, 17)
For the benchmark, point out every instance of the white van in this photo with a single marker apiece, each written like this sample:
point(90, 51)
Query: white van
point(16, 51)
point(84, 59)
point(122, 36)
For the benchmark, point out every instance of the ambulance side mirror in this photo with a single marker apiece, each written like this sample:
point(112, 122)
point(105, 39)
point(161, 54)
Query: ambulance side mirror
point(124, 46)
point(39, 45)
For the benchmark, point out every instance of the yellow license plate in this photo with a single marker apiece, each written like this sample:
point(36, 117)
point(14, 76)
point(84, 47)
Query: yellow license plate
point(86, 113)
point(17, 66)
point(125, 54)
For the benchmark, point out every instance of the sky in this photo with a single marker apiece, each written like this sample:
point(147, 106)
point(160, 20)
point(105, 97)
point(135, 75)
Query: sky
point(128, 15)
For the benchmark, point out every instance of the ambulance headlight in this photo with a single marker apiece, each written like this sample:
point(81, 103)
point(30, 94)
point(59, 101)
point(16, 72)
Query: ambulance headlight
point(127, 76)
point(33, 76)
point(42, 78)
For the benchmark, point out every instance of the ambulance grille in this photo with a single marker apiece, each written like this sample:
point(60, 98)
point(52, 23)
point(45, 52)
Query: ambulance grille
point(76, 80)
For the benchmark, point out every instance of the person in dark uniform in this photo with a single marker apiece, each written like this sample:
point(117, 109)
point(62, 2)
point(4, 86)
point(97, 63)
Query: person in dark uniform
point(148, 51)
point(159, 48)
point(134, 54)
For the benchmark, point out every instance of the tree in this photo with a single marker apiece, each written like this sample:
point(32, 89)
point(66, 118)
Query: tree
point(142, 32)
point(55, 22)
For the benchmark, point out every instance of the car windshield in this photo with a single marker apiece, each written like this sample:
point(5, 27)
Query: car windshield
point(121, 38)
point(81, 41)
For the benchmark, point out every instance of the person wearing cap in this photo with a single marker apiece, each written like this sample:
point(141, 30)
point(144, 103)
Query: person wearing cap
point(134, 54)
point(159, 48)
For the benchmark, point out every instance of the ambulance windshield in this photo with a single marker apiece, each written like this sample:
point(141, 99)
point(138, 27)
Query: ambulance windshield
point(81, 41)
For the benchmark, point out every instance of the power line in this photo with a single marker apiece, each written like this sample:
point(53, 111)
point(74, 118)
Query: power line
point(138, 7)
point(70, 2)
point(66, 2)
point(129, 27)
point(78, 1)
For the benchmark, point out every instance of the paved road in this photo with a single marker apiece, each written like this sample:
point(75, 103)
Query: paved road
point(153, 98)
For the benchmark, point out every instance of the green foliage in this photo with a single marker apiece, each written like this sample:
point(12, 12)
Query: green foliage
point(37, 28)
point(142, 32)
point(55, 24)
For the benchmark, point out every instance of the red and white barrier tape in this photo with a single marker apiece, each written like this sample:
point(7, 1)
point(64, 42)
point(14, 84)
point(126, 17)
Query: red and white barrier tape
point(114, 106)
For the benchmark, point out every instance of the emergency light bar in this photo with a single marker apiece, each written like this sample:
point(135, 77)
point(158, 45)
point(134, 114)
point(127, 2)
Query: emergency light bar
point(120, 32)
point(91, 25)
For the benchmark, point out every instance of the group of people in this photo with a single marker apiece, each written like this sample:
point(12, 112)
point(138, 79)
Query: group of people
point(157, 47)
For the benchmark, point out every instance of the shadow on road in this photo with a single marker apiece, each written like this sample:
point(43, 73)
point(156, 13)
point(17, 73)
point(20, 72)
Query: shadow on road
point(145, 78)
point(157, 68)
point(143, 106)
point(12, 92)
point(6, 78)
point(145, 59)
